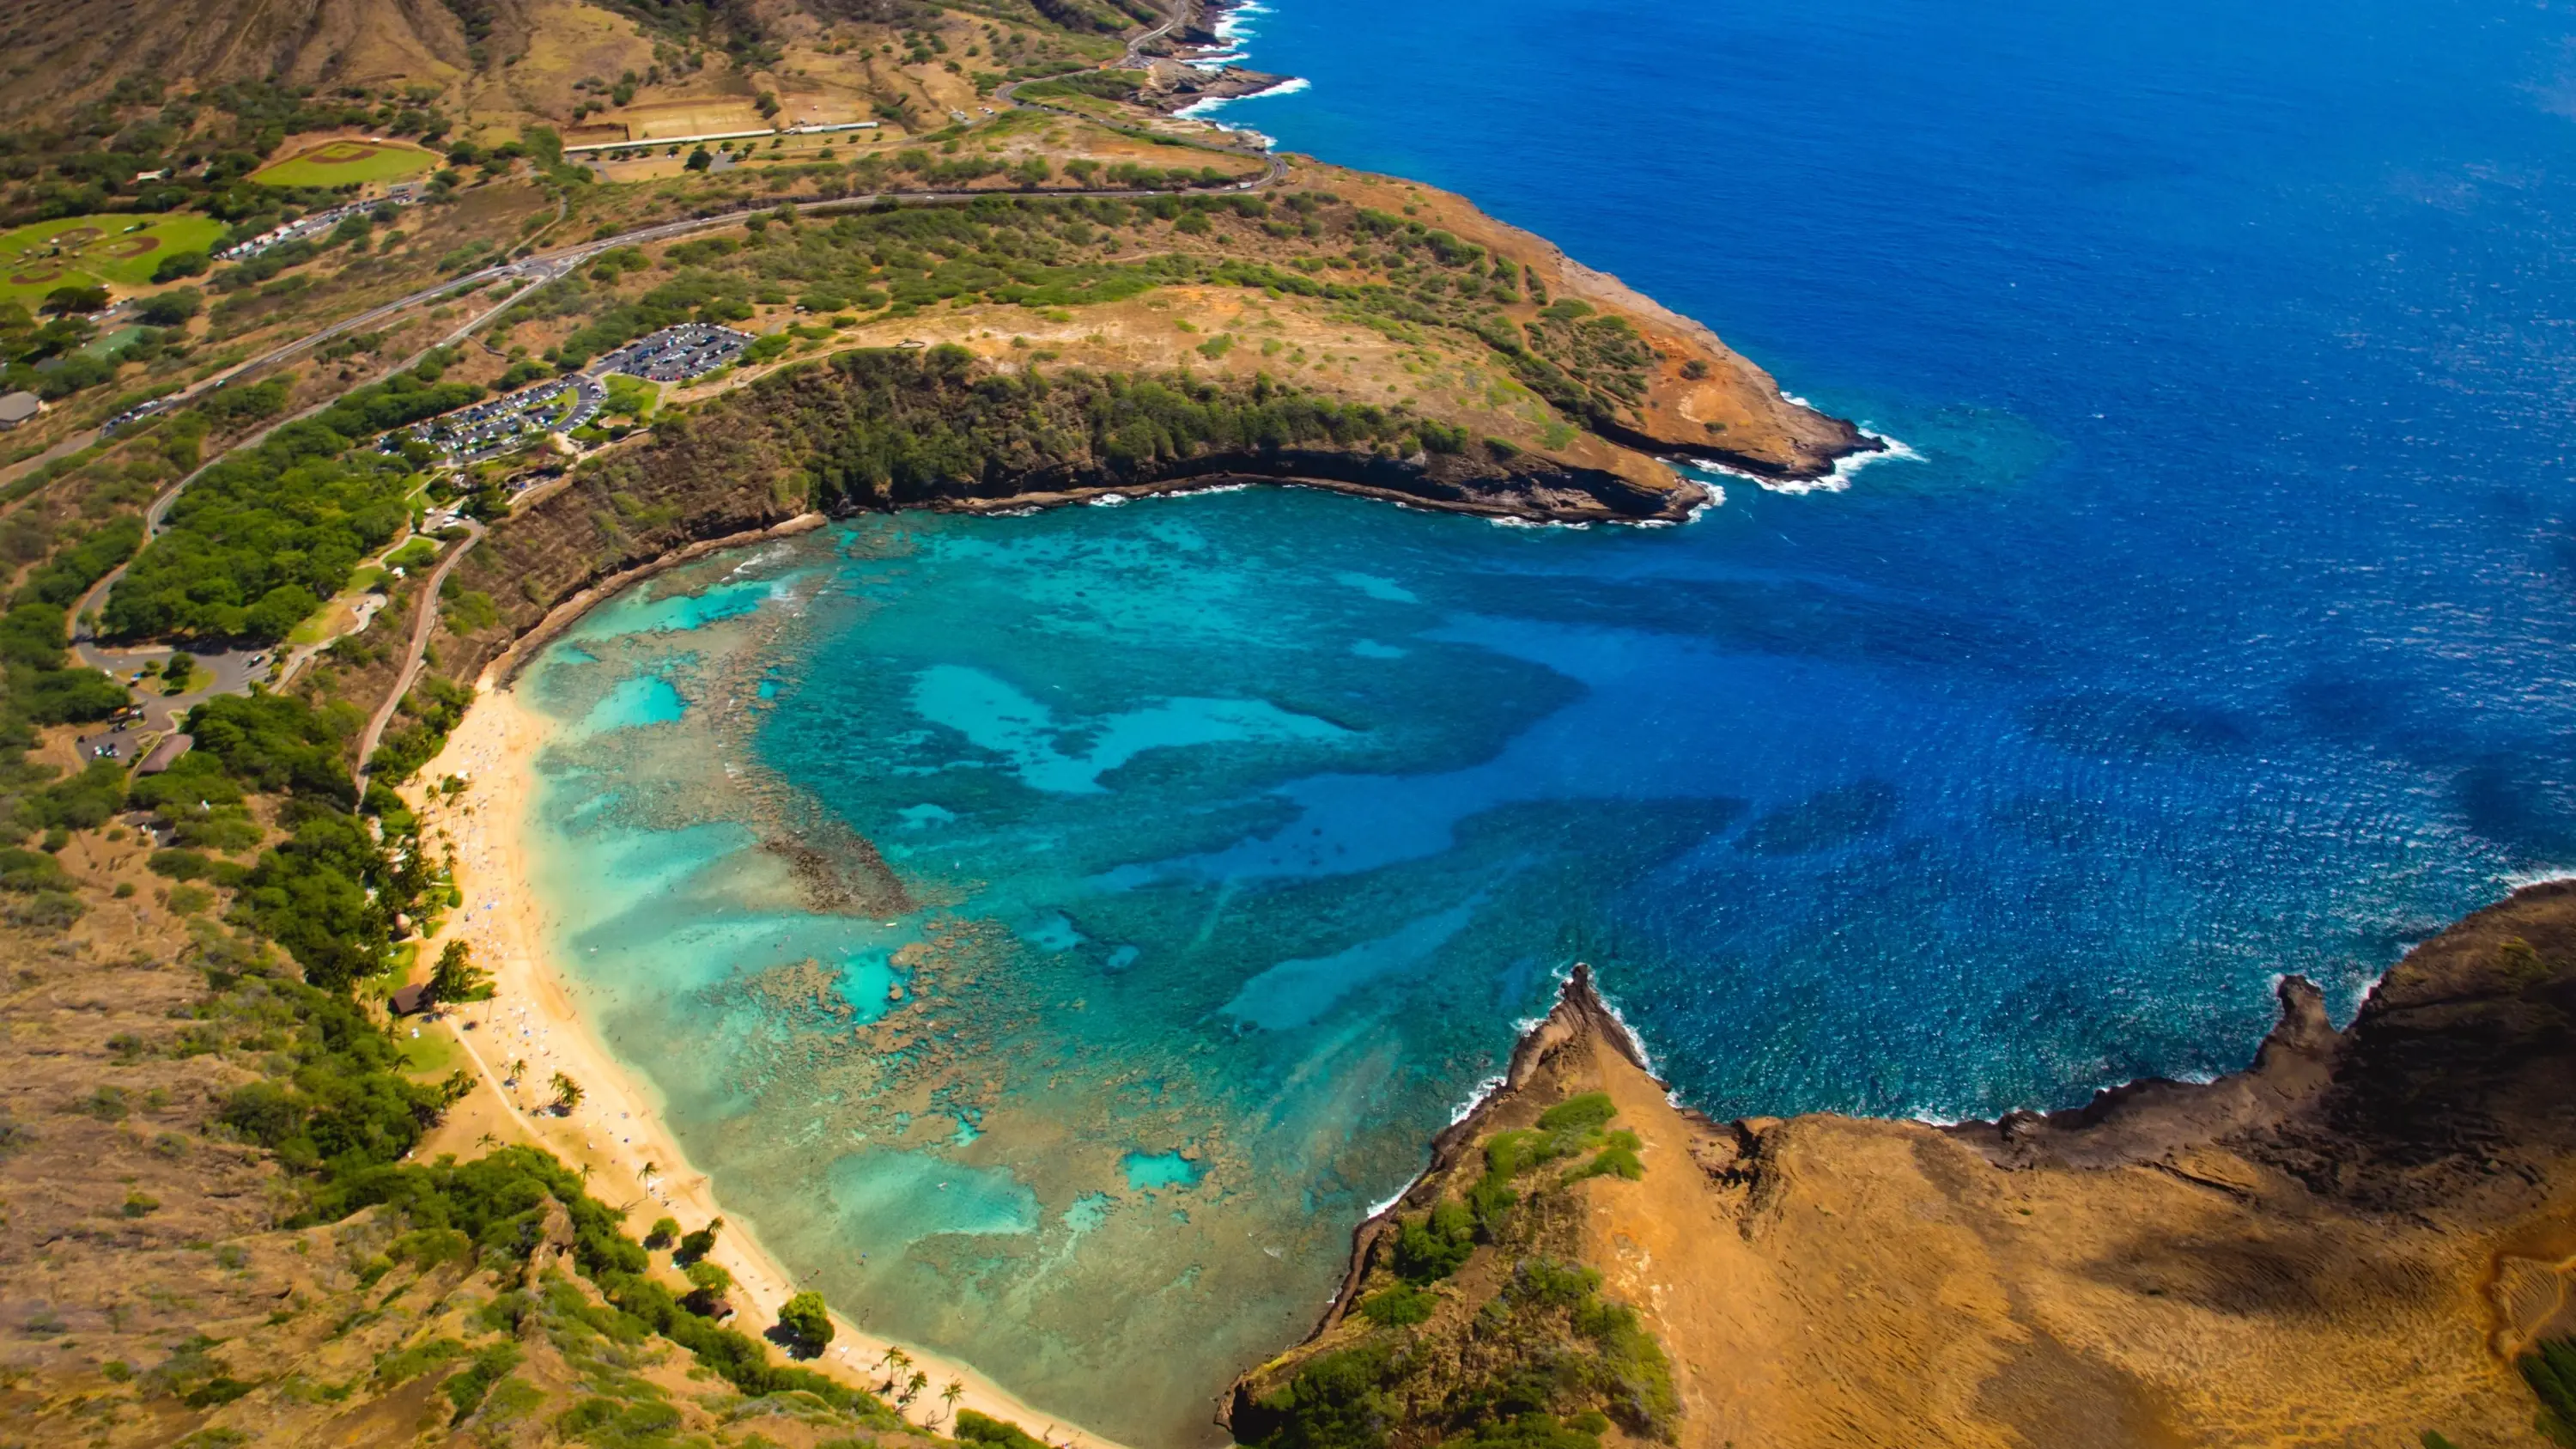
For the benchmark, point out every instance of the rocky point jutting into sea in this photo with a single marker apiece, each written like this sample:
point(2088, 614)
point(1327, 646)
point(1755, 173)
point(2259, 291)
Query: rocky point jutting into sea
point(2363, 1230)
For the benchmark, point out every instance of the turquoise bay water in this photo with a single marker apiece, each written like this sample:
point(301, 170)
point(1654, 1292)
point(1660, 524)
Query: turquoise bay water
point(1056, 932)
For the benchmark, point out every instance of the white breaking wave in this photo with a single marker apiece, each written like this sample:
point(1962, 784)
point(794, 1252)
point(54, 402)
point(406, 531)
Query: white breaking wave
point(1475, 1099)
point(1231, 26)
point(2516, 880)
point(1289, 87)
point(1892, 450)
point(1207, 110)
point(1637, 1043)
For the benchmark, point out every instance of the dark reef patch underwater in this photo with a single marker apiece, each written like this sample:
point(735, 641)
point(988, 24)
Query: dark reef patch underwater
point(2215, 629)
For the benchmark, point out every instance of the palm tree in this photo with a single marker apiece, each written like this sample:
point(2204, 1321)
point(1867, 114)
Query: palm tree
point(894, 1363)
point(567, 1095)
point(913, 1386)
point(950, 1395)
point(487, 1140)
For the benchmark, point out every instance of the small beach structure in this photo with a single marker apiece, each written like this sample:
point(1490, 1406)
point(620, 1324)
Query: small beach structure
point(409, 1000)
point(165, 754)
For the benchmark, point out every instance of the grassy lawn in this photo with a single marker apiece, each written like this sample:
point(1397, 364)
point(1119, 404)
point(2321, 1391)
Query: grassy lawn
point(117, 248)
point(632, 396)
point(109, 342)
point(434, 1054)
point(337, 163)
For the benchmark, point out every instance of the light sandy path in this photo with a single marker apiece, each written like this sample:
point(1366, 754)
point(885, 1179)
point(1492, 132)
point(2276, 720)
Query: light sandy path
point(424, 618)
point(617, 1131)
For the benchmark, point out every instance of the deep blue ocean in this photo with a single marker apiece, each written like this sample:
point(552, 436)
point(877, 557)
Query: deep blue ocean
point(2215, 628)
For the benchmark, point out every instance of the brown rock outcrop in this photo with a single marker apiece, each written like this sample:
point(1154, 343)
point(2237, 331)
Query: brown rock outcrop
point(2347, 1243)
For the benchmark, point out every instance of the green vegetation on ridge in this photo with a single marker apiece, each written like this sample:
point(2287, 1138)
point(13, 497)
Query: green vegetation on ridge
point(1533, 1357)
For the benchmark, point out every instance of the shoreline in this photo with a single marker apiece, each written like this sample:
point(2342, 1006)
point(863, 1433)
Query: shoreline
point(2127, 1122)
point(494, 748)
point(501, 671)
point(618, 1131)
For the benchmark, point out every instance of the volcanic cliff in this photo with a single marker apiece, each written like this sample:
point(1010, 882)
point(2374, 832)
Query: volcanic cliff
point(2354, 1241)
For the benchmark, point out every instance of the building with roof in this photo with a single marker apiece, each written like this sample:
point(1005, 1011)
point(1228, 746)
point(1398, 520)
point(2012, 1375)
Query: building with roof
point(165, 754)
point(18, 407)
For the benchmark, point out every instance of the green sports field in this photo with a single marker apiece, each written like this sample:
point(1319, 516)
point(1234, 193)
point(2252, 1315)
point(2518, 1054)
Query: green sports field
point(120, 249)
point(337, 163)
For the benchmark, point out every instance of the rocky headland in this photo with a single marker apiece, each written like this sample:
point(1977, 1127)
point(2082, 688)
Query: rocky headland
point(1465, 366)
point(2356, 1240)
point(1178, 85)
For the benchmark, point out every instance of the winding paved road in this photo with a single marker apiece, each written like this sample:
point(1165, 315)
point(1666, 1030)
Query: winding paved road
point(84, 632)
point(538, 269)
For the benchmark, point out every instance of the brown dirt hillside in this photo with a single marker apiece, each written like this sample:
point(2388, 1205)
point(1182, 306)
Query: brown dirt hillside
point(2348, 1244)
point(60, 53)
point(1700, 397)
point(503, 63)
point(151, 1289)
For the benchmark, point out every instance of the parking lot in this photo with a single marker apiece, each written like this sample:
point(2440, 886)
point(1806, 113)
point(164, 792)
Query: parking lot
point(508, 423)
point(488, 429)
point(306, 227)
point(676, 354)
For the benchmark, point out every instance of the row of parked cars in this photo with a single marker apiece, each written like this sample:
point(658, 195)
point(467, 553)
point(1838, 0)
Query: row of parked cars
point(314, 223)
point(677, 354)
point(674, 354)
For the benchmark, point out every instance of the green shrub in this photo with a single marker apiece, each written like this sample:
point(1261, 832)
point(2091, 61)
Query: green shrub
point(466, 1390)
point(404, 1365)
point(700, 1243)
point(1576, 1114)
point(1435, 1245)
point(608, 1423)
point(2550, 1369)
point(975, 1428)
point(180, 864)
point(1336, 1402)
point(1526, 1431)
point(806, 1320)
point(1398, 1306)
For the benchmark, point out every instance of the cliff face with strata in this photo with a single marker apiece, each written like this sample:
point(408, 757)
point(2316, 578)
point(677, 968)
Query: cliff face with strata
point(2351, 1242)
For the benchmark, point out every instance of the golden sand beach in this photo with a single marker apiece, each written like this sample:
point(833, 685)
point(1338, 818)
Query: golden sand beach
point(616, 1135)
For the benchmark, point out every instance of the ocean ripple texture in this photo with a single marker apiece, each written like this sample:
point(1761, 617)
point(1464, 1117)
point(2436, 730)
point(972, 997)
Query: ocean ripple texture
point(2211, 625)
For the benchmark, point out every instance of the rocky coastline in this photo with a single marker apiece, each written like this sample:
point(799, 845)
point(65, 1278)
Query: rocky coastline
point(1179, 85)
point(2365, 1227)
point(1189, 66)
